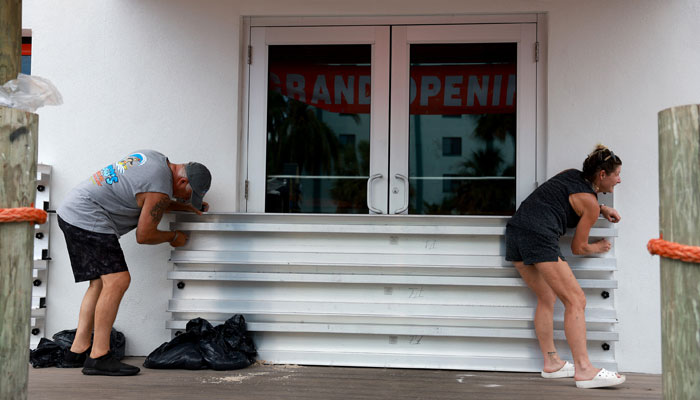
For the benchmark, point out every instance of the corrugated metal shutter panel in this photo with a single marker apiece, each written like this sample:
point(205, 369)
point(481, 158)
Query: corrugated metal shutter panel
point(379, 291)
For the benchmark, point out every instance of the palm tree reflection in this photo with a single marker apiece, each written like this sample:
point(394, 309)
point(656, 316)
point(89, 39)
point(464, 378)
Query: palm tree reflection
point(487, 196)
point(300, 144)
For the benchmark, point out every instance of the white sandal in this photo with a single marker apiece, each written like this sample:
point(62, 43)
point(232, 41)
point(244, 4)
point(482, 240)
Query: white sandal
point(566, 371)
point(604, 378)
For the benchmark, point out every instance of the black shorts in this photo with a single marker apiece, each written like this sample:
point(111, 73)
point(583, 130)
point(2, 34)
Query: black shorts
point(530, 247)
point(92, 254)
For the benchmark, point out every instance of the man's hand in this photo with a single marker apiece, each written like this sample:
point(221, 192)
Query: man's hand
point(180, 239)
point(610, 214)
point(179, 206)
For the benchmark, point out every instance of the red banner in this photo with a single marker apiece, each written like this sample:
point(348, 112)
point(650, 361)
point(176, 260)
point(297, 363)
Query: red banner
point(443, 89)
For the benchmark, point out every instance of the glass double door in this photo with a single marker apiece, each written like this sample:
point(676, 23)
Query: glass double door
point(420, 119)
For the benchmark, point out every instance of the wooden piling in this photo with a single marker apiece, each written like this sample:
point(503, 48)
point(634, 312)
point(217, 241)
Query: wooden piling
point(18, 156)
point(679, 211)
point(10, 39)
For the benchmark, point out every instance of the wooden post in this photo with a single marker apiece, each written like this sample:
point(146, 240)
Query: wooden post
point(679, 209)
point(10, 39)
point(18, 155)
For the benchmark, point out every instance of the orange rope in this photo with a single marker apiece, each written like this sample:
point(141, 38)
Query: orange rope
point(674, 250)
point(22, 214)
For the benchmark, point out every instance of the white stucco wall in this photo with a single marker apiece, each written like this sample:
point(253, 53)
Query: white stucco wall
point(165, 75)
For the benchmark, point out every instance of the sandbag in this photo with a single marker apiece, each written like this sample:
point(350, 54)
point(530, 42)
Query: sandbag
point(117, 341)
point(202, 346)
point(49, 353)
point(46, 354)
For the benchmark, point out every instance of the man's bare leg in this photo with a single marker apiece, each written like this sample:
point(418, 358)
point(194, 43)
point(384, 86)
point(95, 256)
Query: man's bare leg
point(113, 288)
point(86, 318)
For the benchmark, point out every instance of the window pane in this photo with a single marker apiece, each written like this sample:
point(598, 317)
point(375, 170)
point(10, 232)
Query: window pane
point(318, 126)
point(452, 146)
point(462, 129)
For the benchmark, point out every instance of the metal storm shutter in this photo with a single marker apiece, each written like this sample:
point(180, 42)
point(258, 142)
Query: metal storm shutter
point(379, 291)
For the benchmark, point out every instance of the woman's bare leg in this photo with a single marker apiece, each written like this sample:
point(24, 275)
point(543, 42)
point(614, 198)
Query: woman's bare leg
point(544, 315)
point(561, 279)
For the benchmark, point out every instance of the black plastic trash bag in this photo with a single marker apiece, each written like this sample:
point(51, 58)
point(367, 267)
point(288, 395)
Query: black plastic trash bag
point(46, 354)
point(49, 353)
point(202, 346)
point(229, 347)
point(180, 353)
point(117, 341)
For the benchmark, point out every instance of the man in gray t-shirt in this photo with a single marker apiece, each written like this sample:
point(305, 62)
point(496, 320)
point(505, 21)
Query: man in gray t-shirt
point(131, 193)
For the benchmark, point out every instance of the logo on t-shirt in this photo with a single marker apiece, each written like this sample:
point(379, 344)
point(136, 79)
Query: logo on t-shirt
point(136, 158)
point(108, 174)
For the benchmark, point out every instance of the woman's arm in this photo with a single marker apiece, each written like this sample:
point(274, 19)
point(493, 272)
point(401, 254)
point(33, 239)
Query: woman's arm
point(610, 214)
point(586, 205)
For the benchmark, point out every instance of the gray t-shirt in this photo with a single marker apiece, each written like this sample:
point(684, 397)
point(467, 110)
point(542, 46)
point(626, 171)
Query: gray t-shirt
point(106, 202)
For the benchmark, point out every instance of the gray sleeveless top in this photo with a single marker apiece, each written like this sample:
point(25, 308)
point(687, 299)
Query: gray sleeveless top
point(547, 210)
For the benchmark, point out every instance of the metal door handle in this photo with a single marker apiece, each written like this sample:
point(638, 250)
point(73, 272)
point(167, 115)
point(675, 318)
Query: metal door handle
point(369, 193)
point(405, 194)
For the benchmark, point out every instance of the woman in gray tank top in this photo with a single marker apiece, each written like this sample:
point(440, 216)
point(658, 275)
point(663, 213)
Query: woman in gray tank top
point(567, 200)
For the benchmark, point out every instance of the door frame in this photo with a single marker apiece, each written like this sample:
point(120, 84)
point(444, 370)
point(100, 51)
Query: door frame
point(243, 196)
point(261, 38)
point(403, 37)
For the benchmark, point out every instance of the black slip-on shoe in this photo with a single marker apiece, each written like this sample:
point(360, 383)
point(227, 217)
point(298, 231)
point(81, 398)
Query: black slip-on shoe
point(108, 365)
point(73, 360)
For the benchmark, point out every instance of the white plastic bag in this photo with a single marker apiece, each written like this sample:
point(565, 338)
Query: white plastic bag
point(29, 92)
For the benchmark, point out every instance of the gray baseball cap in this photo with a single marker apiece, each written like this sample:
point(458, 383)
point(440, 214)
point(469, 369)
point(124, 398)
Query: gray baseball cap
point(200, 180)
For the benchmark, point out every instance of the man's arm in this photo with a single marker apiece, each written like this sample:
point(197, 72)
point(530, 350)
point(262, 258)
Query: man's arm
point(177, 206)
point(153, 205)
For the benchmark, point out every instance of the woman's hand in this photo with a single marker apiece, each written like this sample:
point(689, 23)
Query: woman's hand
point(610, 214)
point(602, 246)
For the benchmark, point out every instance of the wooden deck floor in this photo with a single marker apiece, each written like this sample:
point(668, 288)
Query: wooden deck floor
point(323, 383)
